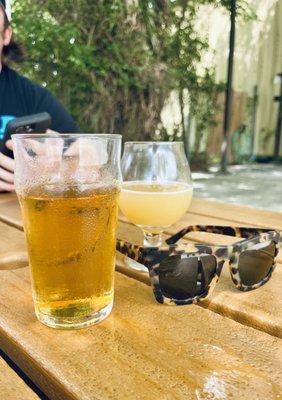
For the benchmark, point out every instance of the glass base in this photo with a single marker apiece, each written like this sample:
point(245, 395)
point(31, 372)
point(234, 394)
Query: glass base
point(152, 239)
point(74, 323)
point(134, 265)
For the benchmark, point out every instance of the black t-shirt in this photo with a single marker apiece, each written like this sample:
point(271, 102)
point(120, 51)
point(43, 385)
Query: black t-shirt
point(20, 97)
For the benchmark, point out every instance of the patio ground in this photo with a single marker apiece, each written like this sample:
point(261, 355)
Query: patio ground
point(257, 185)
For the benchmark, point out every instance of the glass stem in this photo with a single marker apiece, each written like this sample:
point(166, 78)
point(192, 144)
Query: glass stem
point(152, 239)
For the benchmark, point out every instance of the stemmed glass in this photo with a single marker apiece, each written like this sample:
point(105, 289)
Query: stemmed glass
point(157, 188)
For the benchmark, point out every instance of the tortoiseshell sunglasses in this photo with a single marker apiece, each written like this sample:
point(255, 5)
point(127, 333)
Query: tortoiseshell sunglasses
point(186, 273)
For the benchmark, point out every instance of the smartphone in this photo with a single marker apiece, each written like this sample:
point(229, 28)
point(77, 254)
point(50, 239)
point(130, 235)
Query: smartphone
point(37, 123)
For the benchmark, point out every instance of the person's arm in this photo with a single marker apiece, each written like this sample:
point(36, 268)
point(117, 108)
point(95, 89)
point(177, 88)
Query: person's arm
point(62, 121)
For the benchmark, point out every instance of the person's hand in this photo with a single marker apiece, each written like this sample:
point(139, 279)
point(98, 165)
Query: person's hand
point(7, 167)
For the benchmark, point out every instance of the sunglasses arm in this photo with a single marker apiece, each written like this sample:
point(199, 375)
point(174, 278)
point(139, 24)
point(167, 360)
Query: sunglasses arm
point(130, 250)
point(148, 256)
point(240, 232)
point(260, 238)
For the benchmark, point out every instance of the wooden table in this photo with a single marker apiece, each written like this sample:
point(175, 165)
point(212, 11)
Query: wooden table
point(227, 347)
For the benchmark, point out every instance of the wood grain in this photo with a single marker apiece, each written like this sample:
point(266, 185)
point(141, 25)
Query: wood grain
point(237, 213)
point(10, 214)
point(201, 237)
point(13, 260)
point(11, 240)
point(12, 387)
point(205, 211)
point(260, 308)
point(6, 196)
point(142, 351)
point(10, 211)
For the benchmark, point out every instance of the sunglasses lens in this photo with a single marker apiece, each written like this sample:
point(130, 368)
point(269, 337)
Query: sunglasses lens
point(184, 278)
point(254, 264)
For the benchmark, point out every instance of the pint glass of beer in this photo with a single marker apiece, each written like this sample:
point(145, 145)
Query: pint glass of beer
point(68, 187)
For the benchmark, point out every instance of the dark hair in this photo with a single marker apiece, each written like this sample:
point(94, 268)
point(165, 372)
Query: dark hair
point(14, 52)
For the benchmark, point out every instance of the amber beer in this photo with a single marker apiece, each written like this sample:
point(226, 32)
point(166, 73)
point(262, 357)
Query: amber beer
point(68, 186)
point(71, 245)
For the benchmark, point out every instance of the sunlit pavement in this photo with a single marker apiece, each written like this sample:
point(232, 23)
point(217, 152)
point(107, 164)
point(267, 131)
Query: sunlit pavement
point(257, 185)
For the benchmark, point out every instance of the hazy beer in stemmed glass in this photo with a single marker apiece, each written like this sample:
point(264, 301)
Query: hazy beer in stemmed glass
point(157, 188)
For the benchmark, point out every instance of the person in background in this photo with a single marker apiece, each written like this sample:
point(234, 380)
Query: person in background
point(20, 97)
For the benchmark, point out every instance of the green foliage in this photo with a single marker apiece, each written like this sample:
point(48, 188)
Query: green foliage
point(243, 9)
point(113, 63)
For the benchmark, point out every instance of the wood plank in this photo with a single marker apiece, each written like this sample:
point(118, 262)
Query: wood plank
point(200, 237)
point(12, 240)
point(259, 308)
point(209, 212)
point(144, 350)
point(6, 196)
point(237, 213)
point(10, 214)
point(12, 386)
point(10, 211)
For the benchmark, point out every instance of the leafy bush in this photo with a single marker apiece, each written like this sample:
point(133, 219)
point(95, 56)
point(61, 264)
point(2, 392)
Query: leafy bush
point(113, 63)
